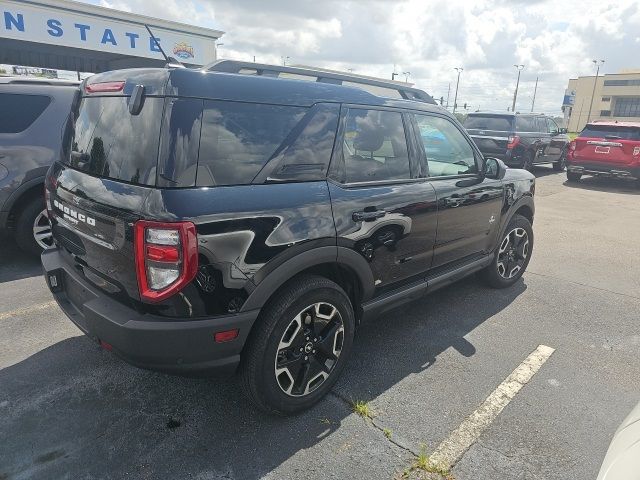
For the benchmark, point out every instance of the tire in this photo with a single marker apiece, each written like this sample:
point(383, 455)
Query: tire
point(25, 233)
point(561, 164)
point(573, 176)
point(514, 250)
point(281, 338)
point(527, 161)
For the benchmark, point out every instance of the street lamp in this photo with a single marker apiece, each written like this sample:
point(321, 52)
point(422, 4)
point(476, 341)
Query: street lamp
point(455, 98)
point(598, 64)
point(284, 60)
point(515, 94)
point(406, 76)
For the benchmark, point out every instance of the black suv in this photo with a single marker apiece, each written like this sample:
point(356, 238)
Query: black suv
point(34, 112)
point(208, 221)
point(521, 140)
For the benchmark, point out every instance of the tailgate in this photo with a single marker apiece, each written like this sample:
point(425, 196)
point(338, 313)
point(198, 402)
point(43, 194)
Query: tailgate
point(490, 143)
point(617, 152)
point(96, 233)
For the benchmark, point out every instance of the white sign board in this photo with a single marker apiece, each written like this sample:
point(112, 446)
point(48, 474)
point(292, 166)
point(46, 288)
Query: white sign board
point(55, 26)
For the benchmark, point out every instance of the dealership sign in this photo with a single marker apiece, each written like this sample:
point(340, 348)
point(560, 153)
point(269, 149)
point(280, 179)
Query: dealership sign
point(57, 26)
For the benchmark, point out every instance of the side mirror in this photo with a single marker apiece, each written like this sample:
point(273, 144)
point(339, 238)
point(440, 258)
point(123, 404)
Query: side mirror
point(494, 168)
point(562, 130)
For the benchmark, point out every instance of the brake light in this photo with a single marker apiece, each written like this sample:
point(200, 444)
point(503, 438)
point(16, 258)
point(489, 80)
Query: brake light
point(166, 257)
point(513, 141)
point(636, 151)
point(572, 146)
point(104, 87)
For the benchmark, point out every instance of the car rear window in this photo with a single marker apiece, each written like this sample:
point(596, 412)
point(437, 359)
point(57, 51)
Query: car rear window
point(611, 131)
point(20, 111)
point(489, 122)
point(526, 124)
point(110, 142)
point(238, 139)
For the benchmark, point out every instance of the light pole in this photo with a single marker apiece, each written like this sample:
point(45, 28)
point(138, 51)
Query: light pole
point(406, 76)
point(284, 60)
point(515, 94)
point(595, 81)
point(535, 90)
point(455, 98)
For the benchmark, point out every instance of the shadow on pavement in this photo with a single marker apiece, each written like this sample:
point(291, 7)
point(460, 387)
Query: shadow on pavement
point(16, 264)
point(605, 184)
point(75, 411)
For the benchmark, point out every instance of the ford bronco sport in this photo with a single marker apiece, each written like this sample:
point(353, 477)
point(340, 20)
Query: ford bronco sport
point(218, 221)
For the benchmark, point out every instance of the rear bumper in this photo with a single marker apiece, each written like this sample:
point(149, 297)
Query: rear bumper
point(605, 169)
point(147, 341)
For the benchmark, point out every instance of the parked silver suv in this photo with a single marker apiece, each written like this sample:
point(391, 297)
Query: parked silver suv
point(33, 113)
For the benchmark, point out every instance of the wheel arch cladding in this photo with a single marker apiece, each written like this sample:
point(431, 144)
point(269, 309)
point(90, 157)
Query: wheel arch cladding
point(341, 265)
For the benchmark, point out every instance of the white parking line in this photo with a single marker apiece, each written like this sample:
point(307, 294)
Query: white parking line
point(25, 310)
point(454, 446)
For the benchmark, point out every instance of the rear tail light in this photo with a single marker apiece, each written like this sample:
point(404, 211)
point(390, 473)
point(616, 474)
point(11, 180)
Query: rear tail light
point(166, 257)
point(572, 146)
point(513, 141)
point(104, 87)
point(636, 151)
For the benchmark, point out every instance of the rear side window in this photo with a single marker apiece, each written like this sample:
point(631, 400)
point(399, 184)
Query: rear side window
point(526, 124)
point(374, 146)
point(489, 122)
point(20, 111)
point(307, 150)
point(238, 139)
point(611, 131)
point(110, 142)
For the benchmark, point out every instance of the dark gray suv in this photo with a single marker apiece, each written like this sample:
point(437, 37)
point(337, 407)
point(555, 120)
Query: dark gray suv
point(33, 113)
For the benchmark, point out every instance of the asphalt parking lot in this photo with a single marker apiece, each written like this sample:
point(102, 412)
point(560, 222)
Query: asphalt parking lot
point(71, 410)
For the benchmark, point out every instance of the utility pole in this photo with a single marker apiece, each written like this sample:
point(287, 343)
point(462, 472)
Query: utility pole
point(535, 90)
point(515, 94)
point(448, 93)
point(394, 74)
point(455, 99)
point(595, 81)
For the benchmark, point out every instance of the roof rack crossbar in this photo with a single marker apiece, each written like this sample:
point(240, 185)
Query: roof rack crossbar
point(325, 76)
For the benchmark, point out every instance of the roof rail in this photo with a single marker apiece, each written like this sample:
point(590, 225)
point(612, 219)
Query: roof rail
point(320, 75)
point(20, 80)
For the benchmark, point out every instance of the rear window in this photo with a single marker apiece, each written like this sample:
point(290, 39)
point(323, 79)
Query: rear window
point(489, 122)
point(110, 142)
point(611, 131)
point(526, 124)
point(238, 139)
point(20, 111)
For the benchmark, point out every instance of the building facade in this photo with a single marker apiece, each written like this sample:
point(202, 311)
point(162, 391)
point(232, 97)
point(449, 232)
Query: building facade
point(616, 97)
point(68, 35)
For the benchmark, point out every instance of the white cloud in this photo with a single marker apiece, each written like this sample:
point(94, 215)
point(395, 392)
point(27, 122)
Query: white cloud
point(555, 40)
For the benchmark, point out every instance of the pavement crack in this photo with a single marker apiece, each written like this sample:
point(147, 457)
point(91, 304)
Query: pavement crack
point(400, 444)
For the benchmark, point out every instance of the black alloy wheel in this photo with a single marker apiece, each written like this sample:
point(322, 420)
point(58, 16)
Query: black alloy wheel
point(513, 253)
point(298, 346)
point(309, 349)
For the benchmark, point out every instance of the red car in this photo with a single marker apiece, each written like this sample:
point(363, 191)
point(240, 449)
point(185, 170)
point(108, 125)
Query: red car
point(605, 148)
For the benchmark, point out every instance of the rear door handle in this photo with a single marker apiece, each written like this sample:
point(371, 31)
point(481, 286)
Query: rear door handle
point(360, 216)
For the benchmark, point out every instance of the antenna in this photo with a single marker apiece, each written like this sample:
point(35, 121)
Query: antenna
point(171, 62)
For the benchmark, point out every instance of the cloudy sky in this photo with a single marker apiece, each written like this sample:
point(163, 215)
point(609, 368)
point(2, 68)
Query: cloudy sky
point(554, 39)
